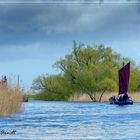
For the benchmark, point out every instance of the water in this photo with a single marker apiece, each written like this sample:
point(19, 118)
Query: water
point(44, 120)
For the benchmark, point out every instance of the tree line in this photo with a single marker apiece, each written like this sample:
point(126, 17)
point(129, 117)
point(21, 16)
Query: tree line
point(88, 69)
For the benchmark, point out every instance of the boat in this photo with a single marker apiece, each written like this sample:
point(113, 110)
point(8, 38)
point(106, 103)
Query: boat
point(123, 98)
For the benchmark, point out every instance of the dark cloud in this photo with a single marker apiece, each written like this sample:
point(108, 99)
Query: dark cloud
point(23, 23)
point(28, 23)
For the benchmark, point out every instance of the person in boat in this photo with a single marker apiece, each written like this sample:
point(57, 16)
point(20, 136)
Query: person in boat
point(4, 81)
point(123, 97)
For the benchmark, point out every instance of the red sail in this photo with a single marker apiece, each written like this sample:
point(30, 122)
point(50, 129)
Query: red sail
point(124, 74)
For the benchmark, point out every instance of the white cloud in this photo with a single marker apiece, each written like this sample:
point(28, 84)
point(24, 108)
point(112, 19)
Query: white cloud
point(30, 51)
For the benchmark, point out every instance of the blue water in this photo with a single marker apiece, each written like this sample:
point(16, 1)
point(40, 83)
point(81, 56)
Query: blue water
point(44, 120)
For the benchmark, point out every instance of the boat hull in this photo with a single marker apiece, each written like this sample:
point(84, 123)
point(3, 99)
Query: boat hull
point(123, 103)
point(115, 100)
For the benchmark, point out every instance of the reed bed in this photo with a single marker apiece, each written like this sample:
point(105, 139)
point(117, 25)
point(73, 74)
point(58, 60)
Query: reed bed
point(105, 98)
point(11, 98)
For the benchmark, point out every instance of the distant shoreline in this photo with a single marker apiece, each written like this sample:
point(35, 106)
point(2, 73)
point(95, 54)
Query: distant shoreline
point(85, 98)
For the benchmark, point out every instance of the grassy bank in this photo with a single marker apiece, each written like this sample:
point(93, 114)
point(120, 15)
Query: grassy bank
point(32, 97)
point(11, 99)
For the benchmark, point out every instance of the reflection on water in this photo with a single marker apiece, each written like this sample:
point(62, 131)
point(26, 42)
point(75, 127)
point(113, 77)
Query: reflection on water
point(43, 120)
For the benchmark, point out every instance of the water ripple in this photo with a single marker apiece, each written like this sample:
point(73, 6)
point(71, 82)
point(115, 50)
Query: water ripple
point(44, 120)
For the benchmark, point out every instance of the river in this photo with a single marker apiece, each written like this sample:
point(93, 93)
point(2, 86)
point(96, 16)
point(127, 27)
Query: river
point(46, 120)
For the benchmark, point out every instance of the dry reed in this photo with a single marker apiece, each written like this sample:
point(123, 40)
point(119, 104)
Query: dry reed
point(105, 98)
point(11, 98)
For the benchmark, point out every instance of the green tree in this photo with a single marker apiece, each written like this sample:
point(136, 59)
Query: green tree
point(90, 69)
point(87, 67)
point(134, 85)
point(54, 87)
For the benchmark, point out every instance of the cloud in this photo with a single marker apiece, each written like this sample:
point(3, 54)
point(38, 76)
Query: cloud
point(34, 51)
point(30, 51)
point(18, 19)
point(31, 27)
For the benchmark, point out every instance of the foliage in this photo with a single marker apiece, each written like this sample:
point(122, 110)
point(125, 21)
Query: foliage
point(54, 87)
point(134, 80)
point(87, 69)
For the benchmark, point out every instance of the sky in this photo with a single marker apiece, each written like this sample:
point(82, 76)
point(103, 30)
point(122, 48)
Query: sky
point(34, 35)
